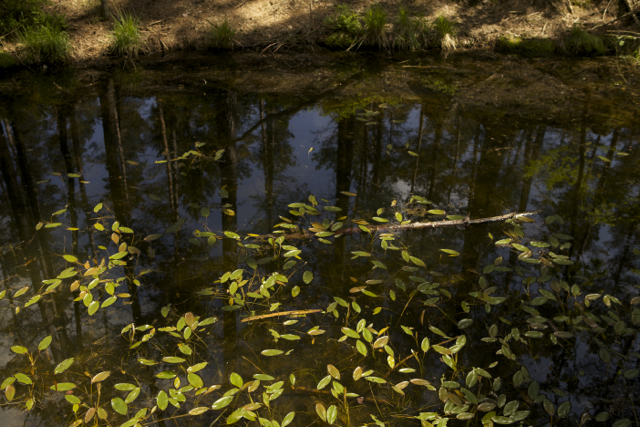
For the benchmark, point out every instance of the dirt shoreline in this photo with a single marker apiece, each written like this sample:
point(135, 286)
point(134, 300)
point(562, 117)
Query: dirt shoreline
point(178, 29)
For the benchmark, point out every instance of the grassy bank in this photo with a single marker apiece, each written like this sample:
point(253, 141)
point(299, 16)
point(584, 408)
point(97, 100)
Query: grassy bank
point(35, 33)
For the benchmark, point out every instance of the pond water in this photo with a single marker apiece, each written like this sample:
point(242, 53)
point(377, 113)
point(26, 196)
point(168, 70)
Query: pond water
point(149, 267)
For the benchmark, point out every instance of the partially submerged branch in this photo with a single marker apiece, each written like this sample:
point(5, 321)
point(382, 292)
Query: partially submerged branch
point(419, 225)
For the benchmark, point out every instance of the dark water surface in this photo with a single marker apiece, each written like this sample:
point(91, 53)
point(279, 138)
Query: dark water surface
point(135, 206)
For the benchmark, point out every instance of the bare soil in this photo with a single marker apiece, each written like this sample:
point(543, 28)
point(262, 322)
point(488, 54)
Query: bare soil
point(277, 26)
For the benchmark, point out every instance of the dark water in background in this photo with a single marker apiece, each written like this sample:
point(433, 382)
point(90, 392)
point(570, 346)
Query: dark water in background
point(575, 157)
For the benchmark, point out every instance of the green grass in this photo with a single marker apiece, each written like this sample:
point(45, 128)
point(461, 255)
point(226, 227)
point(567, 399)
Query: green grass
point(46, 43)
point(581, 43)
point(126, 36)
point(407, 31)
point(221, 36)
point(446, 30)
point(375, 34)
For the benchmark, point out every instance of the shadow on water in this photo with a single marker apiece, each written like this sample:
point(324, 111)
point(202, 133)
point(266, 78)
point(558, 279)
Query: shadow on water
point(143, 223)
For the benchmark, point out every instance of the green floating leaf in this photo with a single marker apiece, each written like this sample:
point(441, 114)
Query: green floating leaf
point(45, 343)
point(307, 277)
point(450, 252)
point(119, 406)
point(23, 379)
point(166, 375)
point(63, 366)
point(162, 400)
point(18, 349)
point(222, 402)
point(63, 386)
point(332, 414)
point(173, 359)
point(271, 352)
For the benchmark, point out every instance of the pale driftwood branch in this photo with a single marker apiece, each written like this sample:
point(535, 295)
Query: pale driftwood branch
point(419, 225)
point(281, 313)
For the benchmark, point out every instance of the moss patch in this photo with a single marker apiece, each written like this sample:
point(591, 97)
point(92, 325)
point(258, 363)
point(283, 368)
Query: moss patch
point(531, 48)
point(6, 60)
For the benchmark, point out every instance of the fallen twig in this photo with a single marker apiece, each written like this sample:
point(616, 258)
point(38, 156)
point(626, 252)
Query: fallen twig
point(280, 313)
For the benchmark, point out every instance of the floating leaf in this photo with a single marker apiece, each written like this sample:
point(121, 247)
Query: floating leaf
point(63, 386)
point(332, 414)
point(100, 377)
point(45, 343)
point(307, 277)
point(119, 406)
point(19, 349)
point(321, 411)
point(271, 352)
point(63, 366)
point(173, 359)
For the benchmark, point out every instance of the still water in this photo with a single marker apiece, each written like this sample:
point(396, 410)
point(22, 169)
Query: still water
point(145, 279)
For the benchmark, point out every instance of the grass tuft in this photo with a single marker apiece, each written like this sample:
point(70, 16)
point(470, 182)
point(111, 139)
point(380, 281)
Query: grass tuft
point(407, 31)
point(446, 30)
point(375, 32)
point(221, 36)
point(126, 36)
point(46, 43)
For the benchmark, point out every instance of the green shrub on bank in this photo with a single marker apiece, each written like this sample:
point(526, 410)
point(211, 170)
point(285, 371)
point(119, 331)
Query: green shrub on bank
point(126, 36)
point(46, 43)
point(221, 36)
point(20, 14)
point(345, 26)
point(581, 43)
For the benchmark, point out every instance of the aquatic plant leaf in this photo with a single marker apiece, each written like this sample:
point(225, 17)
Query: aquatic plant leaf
point(166, 375)
point(100, 377)
point(222, 402)
point(125, 386)
point(271, 352)
point(133, 395)
point(321, 411)
point(63, 366)
point(287, 419)
point(450, 252)
point(236, 380)
point(324, 382)
point(307, 277)
point(263, 377)
point(173, 359)
point(195, 380)
point(198, 411)
point(119, 406)
point(381, 342)
point(197, 367)
point(93, 307)
point(332, 414)
point(18, 349)
point(10, 392)
point(564, 409)
point(502, 420)
point(63, 386)
point(333, 371)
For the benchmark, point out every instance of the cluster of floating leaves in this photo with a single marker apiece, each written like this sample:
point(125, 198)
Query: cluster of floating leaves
point(173, 352)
